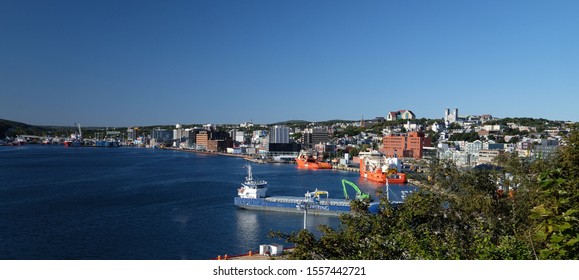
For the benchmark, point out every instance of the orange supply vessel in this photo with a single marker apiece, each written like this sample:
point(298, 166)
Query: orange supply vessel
point(374, 166)
point(307, 160)
point(396, 178)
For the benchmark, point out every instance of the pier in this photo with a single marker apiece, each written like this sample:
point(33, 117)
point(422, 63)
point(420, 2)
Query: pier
point(254, 255)
point(346, 168)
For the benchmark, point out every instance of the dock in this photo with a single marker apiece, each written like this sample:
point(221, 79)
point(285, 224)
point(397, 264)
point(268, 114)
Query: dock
point(346, 168)
point(254, 256)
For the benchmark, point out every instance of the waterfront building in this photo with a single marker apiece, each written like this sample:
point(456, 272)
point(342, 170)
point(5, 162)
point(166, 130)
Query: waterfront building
point(394, 145)
point(177, 135)
point(112, 134)
point(132, 133)
point(161, 134)
point(189, 139)
point(238, 136)
point(284, 147)
point(219, 145)
point(219, 135)
point(314, 136)
point(211, 141)
point(409, 145)
point(258, 137)
point(279, 134)
point(202, 140)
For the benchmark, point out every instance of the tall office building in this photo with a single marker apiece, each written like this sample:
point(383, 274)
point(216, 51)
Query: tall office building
point(279, 135)
point(132, 133)
point(314, 136)
point(161, 134)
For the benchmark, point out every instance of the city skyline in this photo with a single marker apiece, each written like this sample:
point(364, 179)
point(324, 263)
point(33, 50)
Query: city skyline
point(139, 63)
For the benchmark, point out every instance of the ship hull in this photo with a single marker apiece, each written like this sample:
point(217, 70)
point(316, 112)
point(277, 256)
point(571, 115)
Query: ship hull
point(400, 180)
point(381, 177)
point(376, 177)
point(313, 164)
point(72, 143)
point(112, 144)
point(291, 204)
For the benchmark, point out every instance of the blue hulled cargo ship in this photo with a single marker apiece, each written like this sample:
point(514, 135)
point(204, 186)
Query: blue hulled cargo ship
point(252, 195)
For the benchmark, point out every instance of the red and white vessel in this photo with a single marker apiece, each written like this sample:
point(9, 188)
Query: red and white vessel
point(374, 166)
point(75, 139)
point(309, 161)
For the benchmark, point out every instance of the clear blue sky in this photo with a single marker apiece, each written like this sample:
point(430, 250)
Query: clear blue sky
point(123, 63)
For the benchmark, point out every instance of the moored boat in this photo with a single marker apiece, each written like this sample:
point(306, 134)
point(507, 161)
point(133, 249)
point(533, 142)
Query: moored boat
point(107, 143)
point(396, 178)
point(75, 139)
point(309, 161)
point(72, 143)
point(374, 166)
point(252, 195)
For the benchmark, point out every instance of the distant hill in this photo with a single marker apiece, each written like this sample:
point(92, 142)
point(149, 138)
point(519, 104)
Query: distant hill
point(304, 122)
point(10, 128)
point(336, 121)
point(292, 122)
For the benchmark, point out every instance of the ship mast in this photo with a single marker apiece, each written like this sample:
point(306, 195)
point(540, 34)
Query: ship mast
point(249, 174)
point(79, 131)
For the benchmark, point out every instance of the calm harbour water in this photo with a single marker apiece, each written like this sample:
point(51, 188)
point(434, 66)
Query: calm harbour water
point(135, 203)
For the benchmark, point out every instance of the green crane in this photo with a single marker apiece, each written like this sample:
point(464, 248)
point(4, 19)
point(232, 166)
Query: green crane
point(359, 194)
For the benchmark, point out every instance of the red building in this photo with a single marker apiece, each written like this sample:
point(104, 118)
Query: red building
point(408, 145)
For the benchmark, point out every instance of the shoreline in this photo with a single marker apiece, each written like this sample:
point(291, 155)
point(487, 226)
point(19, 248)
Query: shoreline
point(260, 161)
point(205, 152)
point(246, 157)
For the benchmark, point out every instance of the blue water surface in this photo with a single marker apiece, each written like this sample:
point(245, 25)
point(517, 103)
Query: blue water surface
point(136, 203)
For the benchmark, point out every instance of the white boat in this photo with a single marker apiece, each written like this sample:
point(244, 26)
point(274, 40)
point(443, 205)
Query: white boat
point(252, 188)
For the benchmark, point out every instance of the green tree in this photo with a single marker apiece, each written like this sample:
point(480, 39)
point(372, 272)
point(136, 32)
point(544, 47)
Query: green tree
point(520, 210)
point(557, 230)
point(455, 125)
point(460, 216)
point(354, 152)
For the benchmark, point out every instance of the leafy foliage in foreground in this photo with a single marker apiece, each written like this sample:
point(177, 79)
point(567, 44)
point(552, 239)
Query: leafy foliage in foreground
point(522, 211)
